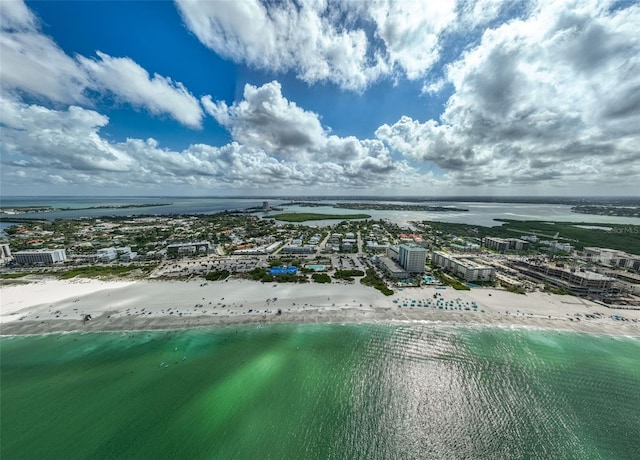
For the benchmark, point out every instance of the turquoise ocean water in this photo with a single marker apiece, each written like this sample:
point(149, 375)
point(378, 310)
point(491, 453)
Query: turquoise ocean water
point(320, 391)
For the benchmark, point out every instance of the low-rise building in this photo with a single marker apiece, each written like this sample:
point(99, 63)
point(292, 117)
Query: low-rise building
point(391, 267)
point(612, 258)
point(578, 282)
point(307, 249)
point(182, 249)
point(506, 244)
point(107, 254)
point(465, 268)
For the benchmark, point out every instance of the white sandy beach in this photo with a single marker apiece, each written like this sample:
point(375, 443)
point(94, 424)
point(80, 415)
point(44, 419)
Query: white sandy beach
point(45, 306)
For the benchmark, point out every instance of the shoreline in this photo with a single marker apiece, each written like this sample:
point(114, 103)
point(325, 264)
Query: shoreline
point(45, 306)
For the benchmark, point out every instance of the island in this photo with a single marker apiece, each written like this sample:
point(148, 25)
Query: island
point(12, 210)
point(620, 211)
point(398, 207)
point(305, 216)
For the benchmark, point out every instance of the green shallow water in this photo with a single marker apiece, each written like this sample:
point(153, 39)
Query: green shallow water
point(320, 391)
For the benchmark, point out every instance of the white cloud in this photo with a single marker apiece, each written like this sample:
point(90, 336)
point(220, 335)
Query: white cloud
point(550, 99)
point(31, 62)
point(16, 16)
point(411, 31)
point(131, 83)
point(66, 147)
point(265, 119)
point(283, 36)
point(350, 44)
point(58, 139)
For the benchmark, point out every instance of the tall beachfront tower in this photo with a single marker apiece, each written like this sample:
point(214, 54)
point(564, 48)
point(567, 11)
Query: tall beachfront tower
point(412, 258)
point(265, 205)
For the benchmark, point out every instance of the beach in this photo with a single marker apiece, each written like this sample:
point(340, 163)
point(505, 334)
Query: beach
point(40, 306)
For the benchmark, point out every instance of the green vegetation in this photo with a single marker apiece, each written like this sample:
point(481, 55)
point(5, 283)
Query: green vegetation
point(516, 290)
point(396, 207)
point(98, 271)
point(217, 275)
point(608, 210)
point(321, 278)
point(347, 275)
point(288, 261)
point(559, 291)
point(275, 263)
point(621, 237)
point(450, 281)
point(305, 216)
point(373, 280)
point(11, 276)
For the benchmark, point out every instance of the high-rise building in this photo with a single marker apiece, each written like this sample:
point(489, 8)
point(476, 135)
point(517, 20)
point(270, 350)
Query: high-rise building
point(412, 258)
point(265, 205)
point(5, 253)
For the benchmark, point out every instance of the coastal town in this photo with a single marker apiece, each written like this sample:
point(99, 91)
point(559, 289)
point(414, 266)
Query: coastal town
point(264, 247)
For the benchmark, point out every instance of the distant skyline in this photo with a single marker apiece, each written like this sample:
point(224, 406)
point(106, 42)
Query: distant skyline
point(215, 98)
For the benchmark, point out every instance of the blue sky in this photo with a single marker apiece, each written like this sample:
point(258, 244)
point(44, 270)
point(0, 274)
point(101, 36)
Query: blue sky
point(454, 97)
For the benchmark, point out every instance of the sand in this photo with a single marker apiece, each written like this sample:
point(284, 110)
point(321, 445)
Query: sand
point(46, 306)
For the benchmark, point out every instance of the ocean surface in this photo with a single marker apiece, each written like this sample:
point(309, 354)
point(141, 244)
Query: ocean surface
point(321, 392)
point(478, 214)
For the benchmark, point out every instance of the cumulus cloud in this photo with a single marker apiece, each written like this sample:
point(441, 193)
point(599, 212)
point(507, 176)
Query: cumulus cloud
point(349, 44)
point(411, 31)
point(33, 135)
point(33, 63)
point(283, 36)
point(550, 98)
point(65, 146)
point(265, 119)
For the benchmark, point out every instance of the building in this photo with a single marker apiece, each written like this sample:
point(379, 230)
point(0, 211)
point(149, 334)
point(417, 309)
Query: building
point(612, 257)
point(506, 244)
point(374, 246)
point(291, 249)
point(465, 268)
point(128, 256)
point(5, 253)
point(578, 282)
point(107, 254)
point(496, 244)
point(265, 205)
point(181, 249)
point(392, 253)
point(346, 245)
point(40, 256)
point(465, 247)
point(412, 258)
point(391, 267)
